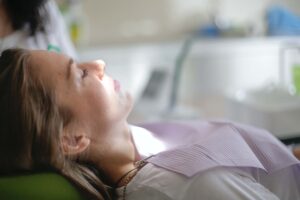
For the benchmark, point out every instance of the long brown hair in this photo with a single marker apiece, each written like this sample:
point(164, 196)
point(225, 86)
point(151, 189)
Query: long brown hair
point(31, 126)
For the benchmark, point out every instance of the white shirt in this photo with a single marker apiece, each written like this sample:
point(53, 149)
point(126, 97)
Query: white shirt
point(215, 183)
point(56, 34)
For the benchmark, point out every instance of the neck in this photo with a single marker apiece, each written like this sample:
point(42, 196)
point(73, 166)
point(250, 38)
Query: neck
point(5, 23)
point(118, 157)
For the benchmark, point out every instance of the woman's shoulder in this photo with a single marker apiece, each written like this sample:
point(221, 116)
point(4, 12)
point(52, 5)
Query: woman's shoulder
point(210, 184)
point(153, 182)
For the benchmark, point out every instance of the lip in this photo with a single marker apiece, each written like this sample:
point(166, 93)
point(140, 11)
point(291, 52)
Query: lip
point(117, 85)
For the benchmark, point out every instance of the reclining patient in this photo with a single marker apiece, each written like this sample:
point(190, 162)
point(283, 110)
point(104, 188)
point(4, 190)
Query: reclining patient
point(72, 118)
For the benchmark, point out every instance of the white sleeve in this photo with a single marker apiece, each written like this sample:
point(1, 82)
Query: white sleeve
point(58, 33)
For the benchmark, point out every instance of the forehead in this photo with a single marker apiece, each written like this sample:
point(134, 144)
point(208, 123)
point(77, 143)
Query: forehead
point(41, 58)
point(48, 65)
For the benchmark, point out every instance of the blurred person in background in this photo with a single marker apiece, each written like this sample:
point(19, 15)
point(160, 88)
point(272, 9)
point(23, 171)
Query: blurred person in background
point(33, 24)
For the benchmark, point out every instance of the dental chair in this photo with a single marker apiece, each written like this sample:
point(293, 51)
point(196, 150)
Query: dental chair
point(41, 186)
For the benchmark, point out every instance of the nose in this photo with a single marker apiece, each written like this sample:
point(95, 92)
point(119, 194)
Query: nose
point(99, 66)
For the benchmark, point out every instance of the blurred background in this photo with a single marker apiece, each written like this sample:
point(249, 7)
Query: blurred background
point(204, 59)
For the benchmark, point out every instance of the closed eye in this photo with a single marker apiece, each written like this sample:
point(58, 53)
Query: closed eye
point(84, 73)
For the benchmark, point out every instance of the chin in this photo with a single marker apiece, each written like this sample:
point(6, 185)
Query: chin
point(124, 106)
point(130, 103)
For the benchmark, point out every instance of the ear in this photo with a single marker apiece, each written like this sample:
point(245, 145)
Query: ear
point(72, 145)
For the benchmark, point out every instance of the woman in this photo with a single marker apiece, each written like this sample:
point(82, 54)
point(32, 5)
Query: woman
point(33, 24)
point(57, 114)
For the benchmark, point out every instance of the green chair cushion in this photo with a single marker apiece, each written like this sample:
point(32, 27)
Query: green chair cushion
point(44, 186)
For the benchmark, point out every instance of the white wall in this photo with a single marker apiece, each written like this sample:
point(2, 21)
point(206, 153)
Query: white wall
point(134, 20)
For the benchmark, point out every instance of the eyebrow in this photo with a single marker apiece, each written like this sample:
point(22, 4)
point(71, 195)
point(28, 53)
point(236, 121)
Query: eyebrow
point(69, 66)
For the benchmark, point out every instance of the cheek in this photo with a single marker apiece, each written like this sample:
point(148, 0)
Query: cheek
point(99, 101)
point(105, 104)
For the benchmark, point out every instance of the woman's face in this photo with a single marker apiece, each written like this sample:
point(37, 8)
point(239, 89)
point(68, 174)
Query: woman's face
point(94, 98)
